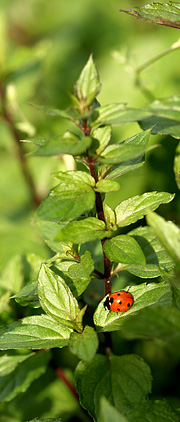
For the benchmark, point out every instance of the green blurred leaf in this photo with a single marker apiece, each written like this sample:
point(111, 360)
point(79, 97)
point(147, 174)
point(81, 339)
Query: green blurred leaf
point(117, 114)
point(109, 413)
point(144, 296)
point(23, 58)
point(12, 276)
point(34, 332)
point(155, 323)
point(46, 420)
point(84, 345)
point(167, 14)
point(168, 234)
point(166, 117)
point(114, 377)
point(136, 207)
point(57, 300)
point(83, 231)
point(49, 230)
point(154, 411)
point(70, 199)
point(124, 249)
point(68, 143)
point(22, 375)
point(103, 135)
point(162, 126)
point(177, 165)
point(88, 85)
point(27, 296)
point(34, 261)
point(107, 186)
point(3, 38)
point(8, 363)
point(157, 259)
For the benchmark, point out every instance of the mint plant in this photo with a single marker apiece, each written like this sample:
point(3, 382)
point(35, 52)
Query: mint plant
point(90, 251)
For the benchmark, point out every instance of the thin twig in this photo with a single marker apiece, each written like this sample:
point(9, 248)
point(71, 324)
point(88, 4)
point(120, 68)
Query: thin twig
point(21, 157)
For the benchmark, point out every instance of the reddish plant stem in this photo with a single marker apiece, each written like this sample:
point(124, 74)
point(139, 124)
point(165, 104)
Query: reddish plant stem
point(21, 157)
point(100, 212)
point(60, 374)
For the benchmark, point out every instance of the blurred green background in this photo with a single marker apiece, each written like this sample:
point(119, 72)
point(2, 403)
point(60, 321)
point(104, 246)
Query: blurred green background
point(43, 47)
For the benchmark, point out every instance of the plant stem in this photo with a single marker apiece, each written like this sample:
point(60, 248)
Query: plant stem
point(100, 212)
point(173, 47)
point(21, 157)
point(60, 373)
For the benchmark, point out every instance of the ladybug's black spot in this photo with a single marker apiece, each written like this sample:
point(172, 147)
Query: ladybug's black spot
point(128, 305)
point(118, 309)
point(107, 303)
point(119, 301)
point(119, 294)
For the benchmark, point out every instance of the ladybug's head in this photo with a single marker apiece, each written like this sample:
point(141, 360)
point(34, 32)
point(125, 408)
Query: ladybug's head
point(108, 302)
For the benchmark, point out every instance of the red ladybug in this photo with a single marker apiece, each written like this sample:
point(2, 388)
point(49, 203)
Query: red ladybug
point(119, 301)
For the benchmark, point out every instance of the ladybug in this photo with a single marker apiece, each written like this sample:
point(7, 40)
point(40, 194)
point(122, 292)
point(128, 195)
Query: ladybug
point(119, 301)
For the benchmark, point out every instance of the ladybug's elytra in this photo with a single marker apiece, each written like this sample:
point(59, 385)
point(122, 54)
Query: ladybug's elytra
point(119, 301)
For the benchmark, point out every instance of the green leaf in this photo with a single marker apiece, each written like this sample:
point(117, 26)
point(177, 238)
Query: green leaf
point(119, 153)
point(76, 178)
point(83, 231)
point(103, 135)
point(154, 411)
point(136, 207)
point(115, 378)
point(80, 273)
point(106, 170)
point(57, 300)
point(167, 14)
point(84, 345)
point(65, 114)
point(70, 199)
point(177, 165)
point(77, 274)
point(117, 114)
point(27, 296)
point(168, 234)
point(23, 373)
point(107, 186)
point(109, 413)
point(68, 143)
point(138, 140)
point(166, 117)
point(109, 217)
point(157, 259)
point(34, 332)
point(144, 296)
point(124, 249)
point(87, 86)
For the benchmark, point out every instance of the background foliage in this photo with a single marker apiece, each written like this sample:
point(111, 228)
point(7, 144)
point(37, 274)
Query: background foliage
point(44, 45)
